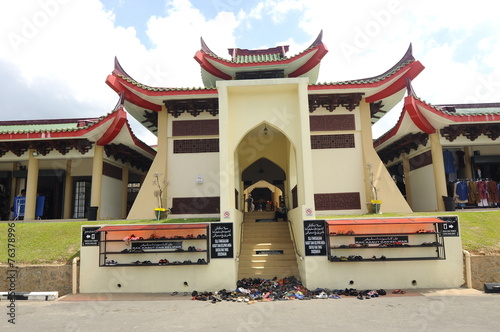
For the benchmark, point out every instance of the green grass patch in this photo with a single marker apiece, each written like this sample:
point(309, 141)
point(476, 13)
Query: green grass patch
point(59, 242)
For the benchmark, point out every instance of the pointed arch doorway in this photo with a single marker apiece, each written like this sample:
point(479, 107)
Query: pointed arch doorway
point(265, 181)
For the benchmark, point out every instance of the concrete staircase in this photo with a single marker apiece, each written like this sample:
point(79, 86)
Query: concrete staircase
point(266, 236)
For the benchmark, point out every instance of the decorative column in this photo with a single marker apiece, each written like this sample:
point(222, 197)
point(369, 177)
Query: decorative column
point(31, 186)
point(367, 145)
point(438, 168)
point(13, 185)
point(468, 166)
point(97, 165)
point(125, 172)
point(68, 190)
point(406, 174)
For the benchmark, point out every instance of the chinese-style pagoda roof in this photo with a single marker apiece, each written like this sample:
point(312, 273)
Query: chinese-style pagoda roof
point(450, 120)
point(45, 135)
point(143, 102)
point(261, 63)
point(383, 91)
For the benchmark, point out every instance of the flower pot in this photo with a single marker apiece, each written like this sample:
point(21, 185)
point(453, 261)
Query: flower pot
point(373, 208)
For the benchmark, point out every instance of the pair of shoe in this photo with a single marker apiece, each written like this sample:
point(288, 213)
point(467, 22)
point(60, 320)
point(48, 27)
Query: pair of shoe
point(202, 261)
point(163, 262)
point(398, 291)
point(322, 295)
point(111, 262)
point(191, 248)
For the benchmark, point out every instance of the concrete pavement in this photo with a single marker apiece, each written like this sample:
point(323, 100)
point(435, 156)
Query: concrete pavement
point(422, 310)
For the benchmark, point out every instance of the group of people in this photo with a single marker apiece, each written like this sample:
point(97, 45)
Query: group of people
point(279, 212)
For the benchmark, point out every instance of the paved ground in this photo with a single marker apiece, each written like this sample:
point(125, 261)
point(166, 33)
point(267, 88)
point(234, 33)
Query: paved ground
point(429, 310)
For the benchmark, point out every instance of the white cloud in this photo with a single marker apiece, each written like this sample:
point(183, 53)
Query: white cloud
point(66, 49)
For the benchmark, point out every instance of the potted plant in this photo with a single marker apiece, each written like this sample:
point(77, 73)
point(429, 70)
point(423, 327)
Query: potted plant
point(374, 205)
point(161, 185)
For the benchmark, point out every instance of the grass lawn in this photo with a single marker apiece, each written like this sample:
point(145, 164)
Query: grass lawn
point(59, 242)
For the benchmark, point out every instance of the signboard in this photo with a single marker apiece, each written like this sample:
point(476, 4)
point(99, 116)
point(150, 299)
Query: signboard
point(381, 239)
point(221, 240)
point(450, 227)
point(269, 252)
point(315, 237)
point(163, 245)
point(90, 236)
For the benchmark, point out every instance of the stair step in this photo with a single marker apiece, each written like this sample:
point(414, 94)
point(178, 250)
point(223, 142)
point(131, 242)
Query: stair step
point(262, 236)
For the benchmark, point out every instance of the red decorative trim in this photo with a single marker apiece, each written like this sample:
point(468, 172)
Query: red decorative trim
point(415, 68)
point(114, 129)
point(311, 63)
point(119, 84)
point(201, 58)
point(417, 117)
point(54, 134)
point(458, 117)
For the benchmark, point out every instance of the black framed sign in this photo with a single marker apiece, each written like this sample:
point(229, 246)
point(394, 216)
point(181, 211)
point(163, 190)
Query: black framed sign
point(155, 245)
point(90, 236)
point(315, 237)
point(221, 240)
point(450, 227)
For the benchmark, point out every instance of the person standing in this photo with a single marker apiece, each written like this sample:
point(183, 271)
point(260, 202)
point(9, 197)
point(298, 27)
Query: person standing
point(281, 212)
point(249, 201)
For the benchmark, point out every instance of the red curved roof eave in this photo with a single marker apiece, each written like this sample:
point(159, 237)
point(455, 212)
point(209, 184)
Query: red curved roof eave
point(79, 132)
point(415, 68)
point(118, 84)
point(201, 58)
point(114, 129)
point(455, 117)
point(393, 88)
point(312, 62)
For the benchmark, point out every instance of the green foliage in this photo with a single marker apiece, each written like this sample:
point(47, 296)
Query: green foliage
point(59, 242)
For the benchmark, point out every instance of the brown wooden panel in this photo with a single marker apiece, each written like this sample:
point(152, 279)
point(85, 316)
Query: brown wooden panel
point(195, 205)
point(332, 141)
point(332, 122)
point(195, 127)
point(295, 198)
point(196, 145)
point(337, 201)
point(112, 171)
point(421, 160)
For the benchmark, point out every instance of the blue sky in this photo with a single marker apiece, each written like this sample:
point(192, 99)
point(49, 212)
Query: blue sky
point(55, 54)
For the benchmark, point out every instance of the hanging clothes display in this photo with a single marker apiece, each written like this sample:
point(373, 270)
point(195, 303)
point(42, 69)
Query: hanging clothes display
point(479, 193)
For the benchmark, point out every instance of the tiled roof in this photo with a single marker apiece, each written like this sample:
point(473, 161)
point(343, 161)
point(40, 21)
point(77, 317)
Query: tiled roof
point(34, 126)
point(258, 58)
point(371, 79)
point(157, 89)
point(461, 110)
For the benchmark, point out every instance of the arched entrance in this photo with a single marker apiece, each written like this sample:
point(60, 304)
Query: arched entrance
point(265, 157)
point(264, 180)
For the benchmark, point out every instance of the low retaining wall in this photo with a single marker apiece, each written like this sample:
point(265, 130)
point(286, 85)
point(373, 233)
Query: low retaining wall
point(485, 269)
point(38, 278)
point(42, 278)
